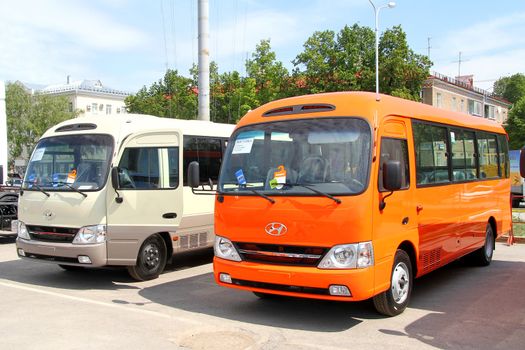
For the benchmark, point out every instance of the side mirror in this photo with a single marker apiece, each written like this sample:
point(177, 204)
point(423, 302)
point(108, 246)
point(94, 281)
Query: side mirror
point(193, 175)
point(522, 162)
point(392, 175)
point(114, 178)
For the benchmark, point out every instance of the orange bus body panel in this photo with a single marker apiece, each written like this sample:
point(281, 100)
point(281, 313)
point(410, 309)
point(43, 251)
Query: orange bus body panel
point(438, 223)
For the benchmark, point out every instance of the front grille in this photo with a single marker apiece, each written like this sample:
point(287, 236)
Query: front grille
point(281, 287)
point(52, 234)
point(280, 254)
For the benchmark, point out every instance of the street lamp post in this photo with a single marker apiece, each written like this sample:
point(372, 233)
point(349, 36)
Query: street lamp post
point(391, 4)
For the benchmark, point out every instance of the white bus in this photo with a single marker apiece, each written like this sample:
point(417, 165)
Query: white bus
point(112, 192)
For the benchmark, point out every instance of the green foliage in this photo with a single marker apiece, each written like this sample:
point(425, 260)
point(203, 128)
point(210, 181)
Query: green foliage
point(347, 62)
point(515, 125)
point(269, 74)
point(329, 62)
point(29, 116)
point(511, 88)
point(173, 97)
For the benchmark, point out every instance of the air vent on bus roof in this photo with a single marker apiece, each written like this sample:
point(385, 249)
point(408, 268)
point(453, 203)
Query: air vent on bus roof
point(299, 109)
point(77, 127)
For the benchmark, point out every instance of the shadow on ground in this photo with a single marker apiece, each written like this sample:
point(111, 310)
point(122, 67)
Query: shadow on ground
point(111, 278)
point(470, 307)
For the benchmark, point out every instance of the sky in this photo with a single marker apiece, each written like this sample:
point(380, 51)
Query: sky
point(128, 44)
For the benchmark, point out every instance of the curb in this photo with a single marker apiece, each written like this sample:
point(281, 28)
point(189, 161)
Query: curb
point(503, 239)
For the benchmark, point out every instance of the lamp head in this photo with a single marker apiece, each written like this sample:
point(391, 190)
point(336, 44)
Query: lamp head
point(391, 4)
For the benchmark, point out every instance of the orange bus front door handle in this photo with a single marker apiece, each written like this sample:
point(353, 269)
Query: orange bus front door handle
point(419, 208)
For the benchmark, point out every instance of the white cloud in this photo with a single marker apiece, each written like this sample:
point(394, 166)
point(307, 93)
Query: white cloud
point(490, 50)
point(44, 40)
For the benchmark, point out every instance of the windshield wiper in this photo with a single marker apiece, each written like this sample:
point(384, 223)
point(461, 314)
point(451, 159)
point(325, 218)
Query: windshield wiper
point(38, 188)
point(62, 183)
point(337, 200)
point(271, 200)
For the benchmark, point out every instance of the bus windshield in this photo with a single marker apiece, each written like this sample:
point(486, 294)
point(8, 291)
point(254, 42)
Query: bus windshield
point(68, 163)
point(299, 157)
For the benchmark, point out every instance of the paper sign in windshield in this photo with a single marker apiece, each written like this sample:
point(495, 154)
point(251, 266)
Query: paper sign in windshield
point(39, 153)
point(242, 146)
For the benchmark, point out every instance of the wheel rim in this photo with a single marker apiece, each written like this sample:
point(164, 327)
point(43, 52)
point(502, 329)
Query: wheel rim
point(400, 283)
point(151, 256)
point(489, 244)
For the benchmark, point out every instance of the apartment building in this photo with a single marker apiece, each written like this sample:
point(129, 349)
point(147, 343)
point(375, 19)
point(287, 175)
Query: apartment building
point(459, 94)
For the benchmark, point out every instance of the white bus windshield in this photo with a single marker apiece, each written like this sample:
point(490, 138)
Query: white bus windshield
point(331, 155)
point(65, 163)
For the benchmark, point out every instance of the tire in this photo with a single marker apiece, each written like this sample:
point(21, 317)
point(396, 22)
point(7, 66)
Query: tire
point(151, 259)
point(483, 256)
point(71, 267)
point(394, 301)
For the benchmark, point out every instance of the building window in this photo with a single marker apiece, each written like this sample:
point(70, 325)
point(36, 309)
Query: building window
point(454, 104)
point(71, 106)
point(108, 109)
point(88, 108)
point(462, 106)
point(101, 107)
point(490, 112)
point(439, 100)
point(118, 110)
point(94, 107)
point(474, 108)
point(123, 110)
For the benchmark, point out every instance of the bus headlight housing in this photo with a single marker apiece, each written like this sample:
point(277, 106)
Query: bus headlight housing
point(349, 256)
point(224, 249)
point(90, 235)
point(22, 231)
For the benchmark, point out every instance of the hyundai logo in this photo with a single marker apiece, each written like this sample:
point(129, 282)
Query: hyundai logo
point(276, 229)
point(48, 214)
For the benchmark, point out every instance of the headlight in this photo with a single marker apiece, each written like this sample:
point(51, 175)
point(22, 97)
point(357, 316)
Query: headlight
point(22, 231)
point(90, 235)
point(224, 249)
point(348, 256)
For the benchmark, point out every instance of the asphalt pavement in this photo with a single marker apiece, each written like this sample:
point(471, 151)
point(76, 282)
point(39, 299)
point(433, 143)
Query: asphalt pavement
point(456, 307)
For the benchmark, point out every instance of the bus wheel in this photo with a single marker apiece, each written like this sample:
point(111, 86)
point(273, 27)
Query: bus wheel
point(71, 267)
point(150, 260)
point(483, 256)
point(394, 301)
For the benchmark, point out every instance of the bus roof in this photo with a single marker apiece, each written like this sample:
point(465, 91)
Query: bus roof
point(123, 125)
point(361, 104)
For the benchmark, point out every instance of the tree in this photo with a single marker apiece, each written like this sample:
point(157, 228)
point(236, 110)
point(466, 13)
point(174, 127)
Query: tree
point(347, 62)
point(173, 96)
point(512, 88)
point(269, 74)
point(29, 116)
point(515, 125)
point(319, 60)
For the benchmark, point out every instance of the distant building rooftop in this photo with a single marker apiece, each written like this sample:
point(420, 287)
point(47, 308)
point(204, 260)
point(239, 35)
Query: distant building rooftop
point(93, 86)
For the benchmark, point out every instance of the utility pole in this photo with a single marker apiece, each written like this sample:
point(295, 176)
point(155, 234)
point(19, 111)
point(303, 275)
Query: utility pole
point(3, 135)
point(204, 60)
point(428, 47)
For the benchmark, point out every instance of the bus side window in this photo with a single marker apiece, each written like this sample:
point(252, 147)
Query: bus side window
point(432, 155)
point(394, 149)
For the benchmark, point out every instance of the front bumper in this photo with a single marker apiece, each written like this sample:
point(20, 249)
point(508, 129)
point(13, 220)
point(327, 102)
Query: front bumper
point(305, 282)
point(62, 253)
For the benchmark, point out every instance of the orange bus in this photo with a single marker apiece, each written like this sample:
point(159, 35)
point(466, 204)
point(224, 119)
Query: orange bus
point(340, 196)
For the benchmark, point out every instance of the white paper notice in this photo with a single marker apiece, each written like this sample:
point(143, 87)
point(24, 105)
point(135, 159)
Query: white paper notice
point(39, 153)
point(242, 146)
